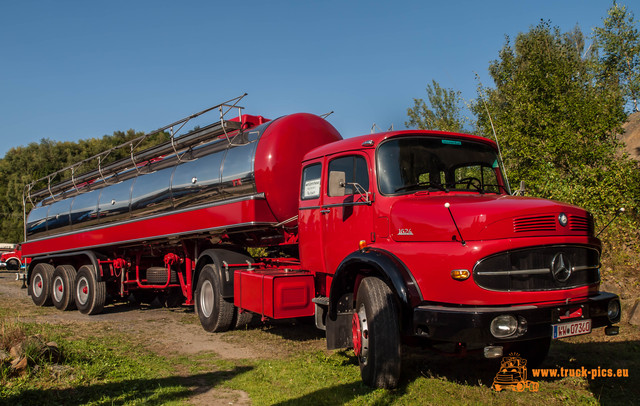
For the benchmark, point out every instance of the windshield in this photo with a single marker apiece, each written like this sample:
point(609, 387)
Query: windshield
point(409, 164)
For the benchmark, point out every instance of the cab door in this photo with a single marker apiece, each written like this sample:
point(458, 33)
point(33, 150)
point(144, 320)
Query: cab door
point(346, 213)
point(309, 216)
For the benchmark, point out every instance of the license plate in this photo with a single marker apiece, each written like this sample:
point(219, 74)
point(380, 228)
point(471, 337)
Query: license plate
point(572, 328)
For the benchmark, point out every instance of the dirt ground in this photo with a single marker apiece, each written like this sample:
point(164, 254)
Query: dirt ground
point(175, 331)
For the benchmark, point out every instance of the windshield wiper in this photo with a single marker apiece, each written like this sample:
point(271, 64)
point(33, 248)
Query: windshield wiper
point(438, 186)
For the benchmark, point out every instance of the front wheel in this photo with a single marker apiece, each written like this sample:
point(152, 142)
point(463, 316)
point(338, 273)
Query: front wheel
point(376, 334)
point(13, 265)
point(40, 284)
point(90, 294)
point(215, 313)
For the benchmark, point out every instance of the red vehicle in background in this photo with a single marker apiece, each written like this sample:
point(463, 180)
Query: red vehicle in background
point(13, 260)
point(398, 237)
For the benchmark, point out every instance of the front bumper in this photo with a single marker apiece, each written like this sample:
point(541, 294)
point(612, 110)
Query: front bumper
point(470, 325)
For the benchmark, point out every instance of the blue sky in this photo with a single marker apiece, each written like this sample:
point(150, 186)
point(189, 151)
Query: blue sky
point(82, 69)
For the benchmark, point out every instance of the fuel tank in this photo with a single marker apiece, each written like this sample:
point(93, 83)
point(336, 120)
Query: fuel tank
point(261, 163)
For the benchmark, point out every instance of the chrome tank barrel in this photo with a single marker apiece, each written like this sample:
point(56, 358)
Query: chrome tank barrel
point(263, 160)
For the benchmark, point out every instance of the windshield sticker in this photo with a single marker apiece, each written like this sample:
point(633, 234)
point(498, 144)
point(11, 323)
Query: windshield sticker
point(312, 188)
point(451, 142)
point(495, 164)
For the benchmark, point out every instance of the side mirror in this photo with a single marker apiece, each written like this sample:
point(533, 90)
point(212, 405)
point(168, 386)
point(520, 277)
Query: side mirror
point(336, 183)
point(520, 192)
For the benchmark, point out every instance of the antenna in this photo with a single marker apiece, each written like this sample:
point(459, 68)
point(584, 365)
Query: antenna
point(504, 170)
point(618, 212)
point(447, 205)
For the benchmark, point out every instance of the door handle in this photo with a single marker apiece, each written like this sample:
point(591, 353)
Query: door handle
point(325, 211)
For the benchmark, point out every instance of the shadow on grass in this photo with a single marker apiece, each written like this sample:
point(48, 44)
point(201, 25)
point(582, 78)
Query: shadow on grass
point(301, 329)
point(139, 391)
point(337, 395)
point(474, 370)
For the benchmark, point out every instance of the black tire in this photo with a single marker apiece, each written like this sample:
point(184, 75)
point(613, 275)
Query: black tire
point(534, 351)
point(89, 294)
point(244, 319)
point(376, 334)
point(40, 284)
point(157, 275)
point(215, 313)
point(13, 265)
point(63, 286)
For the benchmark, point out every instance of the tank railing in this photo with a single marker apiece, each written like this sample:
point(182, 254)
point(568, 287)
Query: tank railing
point(222, 114)
point(175, 145)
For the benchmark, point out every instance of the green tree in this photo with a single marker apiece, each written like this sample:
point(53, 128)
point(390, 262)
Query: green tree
point(618, 46)
point(442, 113)
point(22, 165)
point(558, 123)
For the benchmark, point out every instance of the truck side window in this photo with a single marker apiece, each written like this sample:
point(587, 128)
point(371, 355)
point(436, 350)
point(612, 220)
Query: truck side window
point(355, 170)
point(311, 182)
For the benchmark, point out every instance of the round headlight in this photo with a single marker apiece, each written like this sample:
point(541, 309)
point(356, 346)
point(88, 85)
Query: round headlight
point(613, 310)
point(503, 326)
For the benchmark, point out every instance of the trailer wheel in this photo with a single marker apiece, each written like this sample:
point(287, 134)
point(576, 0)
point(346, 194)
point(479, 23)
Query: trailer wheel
point(62, 287)
point(376, 334)
point(40, 285)
point(90, 294)
point(216, 314)
point(13, 264)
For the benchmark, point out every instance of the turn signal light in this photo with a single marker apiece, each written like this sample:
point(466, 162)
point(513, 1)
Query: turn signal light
point(362, 244)
point(460, 274)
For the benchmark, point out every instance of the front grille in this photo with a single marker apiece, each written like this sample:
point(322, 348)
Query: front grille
point(533, 269)
point(534, 223)
point(581, 224)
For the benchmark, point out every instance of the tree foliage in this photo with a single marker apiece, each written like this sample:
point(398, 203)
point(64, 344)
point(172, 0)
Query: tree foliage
point(557, 120)
point(22, 165)
point(618, 46)
point(442, 113)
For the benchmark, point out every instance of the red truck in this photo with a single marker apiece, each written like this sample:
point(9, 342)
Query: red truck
point(402, 237)
point(12, 260)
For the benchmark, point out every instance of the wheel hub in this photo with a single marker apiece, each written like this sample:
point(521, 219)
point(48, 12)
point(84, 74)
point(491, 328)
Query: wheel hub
point(58, 288)
point(357, 334)
point(360, 332)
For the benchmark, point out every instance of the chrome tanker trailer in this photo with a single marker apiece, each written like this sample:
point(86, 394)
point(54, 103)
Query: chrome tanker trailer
point(157, 220)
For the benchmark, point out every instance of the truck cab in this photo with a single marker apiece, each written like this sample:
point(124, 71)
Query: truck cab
point(414, 236)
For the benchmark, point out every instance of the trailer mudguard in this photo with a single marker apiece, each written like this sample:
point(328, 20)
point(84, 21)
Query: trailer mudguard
point(379, 263)
point(224, 261)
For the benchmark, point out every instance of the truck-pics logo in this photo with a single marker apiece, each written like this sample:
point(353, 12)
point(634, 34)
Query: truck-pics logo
point(513, 375)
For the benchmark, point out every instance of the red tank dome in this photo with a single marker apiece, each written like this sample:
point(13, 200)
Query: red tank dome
point(279, 156)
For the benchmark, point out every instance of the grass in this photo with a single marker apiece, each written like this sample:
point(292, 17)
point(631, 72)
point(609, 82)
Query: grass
point(104, 365)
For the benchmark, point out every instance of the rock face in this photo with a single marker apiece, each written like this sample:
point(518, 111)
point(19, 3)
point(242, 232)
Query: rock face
point(631, 136)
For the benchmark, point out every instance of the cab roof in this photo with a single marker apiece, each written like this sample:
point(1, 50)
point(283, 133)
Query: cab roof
point(373, 140)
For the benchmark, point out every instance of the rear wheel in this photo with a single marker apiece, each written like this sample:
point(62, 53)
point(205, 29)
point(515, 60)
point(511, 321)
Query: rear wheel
point(244, 319)
point(215, 313)
point(40, 285)
point(62, 287)
point(89, 294)
point(376, 334)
